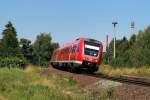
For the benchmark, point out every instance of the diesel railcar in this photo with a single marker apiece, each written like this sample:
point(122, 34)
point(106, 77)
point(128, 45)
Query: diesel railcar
point(83, 53)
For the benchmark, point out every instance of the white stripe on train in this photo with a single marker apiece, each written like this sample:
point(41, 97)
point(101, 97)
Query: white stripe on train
point(72, 61)
point(92, 47)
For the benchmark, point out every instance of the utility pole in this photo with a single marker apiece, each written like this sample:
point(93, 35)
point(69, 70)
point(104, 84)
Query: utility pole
point(132, 27)
point(39, 52)
point(107, 51)
point(114, 26)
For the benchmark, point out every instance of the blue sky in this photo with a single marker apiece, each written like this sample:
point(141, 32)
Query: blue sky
point(70, 19)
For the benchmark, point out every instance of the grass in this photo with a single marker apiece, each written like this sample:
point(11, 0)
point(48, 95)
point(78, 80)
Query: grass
point(30, 84)
point(141, 71)
point(32, 69)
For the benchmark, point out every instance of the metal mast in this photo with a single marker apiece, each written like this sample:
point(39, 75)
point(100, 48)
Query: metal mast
point(132, 27)
point(114, 26)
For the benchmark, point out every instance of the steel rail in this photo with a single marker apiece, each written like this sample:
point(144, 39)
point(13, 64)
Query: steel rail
point(142, 81)
point(125, 79)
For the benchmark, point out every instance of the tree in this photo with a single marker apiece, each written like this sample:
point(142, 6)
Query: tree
point(132, 53)
point(132, 40)
point(43, 48)
point(10, 53)
point(9, 40)
point(122, 54)
point(1, 47)
point(141, 50)
point(54, 46)
point(26, 49)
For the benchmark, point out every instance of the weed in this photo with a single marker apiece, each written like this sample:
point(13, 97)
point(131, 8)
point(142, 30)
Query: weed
point(141, 71)
point(28, 84)
point(110, 92)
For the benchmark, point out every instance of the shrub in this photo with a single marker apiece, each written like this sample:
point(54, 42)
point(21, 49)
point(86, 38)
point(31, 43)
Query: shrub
point(12, 62)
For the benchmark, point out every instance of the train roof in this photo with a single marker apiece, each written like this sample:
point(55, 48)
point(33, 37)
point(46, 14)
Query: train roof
point(85, 39)
point(89, 40)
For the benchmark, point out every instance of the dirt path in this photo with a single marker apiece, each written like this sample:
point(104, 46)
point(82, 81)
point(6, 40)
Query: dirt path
point(83, 80)
point(120, 91)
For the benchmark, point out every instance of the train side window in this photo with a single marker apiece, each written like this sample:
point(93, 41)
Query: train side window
point(75, 48)
point(78, 48)
point(68, 50)
point(72, 50)
point(64, 50)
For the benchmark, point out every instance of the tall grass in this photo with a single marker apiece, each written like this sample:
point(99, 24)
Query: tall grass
point(140, 71)
point(16, 84)
point(29, 84)
point(30, 69)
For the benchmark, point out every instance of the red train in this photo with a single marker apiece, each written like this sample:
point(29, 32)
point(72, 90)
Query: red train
point(82, 53)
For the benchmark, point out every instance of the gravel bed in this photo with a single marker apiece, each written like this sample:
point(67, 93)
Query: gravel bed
point(108, 83)
point(121, 91)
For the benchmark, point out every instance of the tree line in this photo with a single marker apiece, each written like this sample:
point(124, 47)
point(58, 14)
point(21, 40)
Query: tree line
point(134, 52)
point(16, 52)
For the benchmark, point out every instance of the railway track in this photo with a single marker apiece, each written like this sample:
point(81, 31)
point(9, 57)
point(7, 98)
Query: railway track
point(125, 79)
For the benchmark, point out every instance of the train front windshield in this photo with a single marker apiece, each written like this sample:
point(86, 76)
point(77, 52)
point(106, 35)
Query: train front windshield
point(91, 49)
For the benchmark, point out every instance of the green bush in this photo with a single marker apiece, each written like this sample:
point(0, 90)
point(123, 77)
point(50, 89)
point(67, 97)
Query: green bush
point(12, 62)
point(134, 52)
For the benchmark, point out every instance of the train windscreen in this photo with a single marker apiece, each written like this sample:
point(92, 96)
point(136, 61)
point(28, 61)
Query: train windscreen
point(91, 48)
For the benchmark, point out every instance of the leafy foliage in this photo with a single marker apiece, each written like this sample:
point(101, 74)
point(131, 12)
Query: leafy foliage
point(21, 85)
point(132, 53)
point(9, 41)
point(24, 51)
point(43, 49)
point(12, 62)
